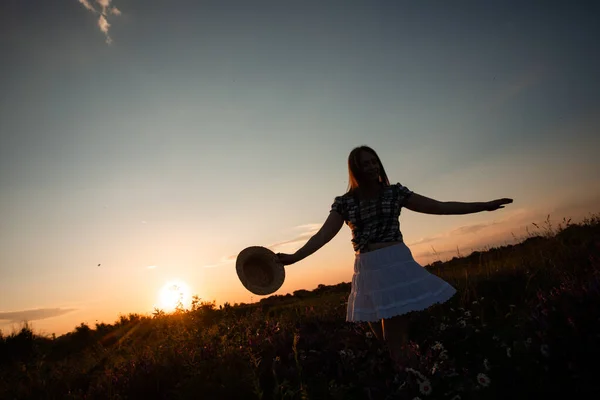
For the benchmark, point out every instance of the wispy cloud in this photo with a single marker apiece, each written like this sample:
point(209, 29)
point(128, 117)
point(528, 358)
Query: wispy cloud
point(32, 315)
point(103, 12)
point(300, 238)
point(520, 83)
point(306, 232)
point(104, 25)
point(463, 230)
point(434, 255)
point(87, 5)
point(224, 261)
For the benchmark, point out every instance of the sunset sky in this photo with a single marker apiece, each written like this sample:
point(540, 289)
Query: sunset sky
point(143, 142)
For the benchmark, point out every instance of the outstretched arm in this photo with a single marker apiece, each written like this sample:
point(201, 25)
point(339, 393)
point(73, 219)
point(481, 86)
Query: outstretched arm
point(426, 205)
point(330, 228)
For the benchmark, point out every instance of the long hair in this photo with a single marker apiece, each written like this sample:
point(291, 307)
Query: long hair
point(355, 174)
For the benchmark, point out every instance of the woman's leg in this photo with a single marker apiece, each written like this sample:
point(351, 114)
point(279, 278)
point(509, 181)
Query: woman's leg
point(395, 333)
point(377, 328)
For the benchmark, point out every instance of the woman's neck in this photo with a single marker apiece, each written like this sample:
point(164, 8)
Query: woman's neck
point(369, 190)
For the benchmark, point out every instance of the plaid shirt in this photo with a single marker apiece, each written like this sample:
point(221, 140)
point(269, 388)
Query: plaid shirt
point(373, 220)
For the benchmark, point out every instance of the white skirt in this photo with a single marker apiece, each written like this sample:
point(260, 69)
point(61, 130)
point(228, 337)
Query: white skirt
point(389, 282)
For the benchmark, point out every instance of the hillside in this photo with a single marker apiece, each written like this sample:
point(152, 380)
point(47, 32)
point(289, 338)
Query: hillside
point(526, 320)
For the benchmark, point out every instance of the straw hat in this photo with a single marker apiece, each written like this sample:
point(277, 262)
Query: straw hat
point(259, 270)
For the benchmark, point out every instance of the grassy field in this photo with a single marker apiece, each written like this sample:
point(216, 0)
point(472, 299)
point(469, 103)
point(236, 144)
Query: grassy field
point(525, 323)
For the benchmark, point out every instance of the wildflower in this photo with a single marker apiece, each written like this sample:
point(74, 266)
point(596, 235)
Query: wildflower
point(528, 342)
point(369, 335)
point(486, 364)
point(481, 299)
point(483, 379)
point(496, 338)
point(435, 367)
point(442, 327)
point(508, 352)
point(544, 350)
point(475, 302)
point(438, 346)
point(414, 371)
point(425, 387)
point(462, 323)
point(444, 355)
point(467, 313)
point(342, 353)
point(451, 309)
point(277, 359)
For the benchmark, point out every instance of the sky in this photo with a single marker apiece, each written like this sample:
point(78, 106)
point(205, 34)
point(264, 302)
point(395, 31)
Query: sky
point(146, 143)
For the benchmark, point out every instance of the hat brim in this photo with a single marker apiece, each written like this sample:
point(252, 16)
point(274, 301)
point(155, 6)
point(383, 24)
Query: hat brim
point(259, 270)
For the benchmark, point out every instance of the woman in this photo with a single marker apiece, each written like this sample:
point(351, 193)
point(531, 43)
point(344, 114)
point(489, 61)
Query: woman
point(387, 282)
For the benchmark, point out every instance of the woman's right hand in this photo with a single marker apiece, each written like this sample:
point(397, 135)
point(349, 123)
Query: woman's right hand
point(286, 259)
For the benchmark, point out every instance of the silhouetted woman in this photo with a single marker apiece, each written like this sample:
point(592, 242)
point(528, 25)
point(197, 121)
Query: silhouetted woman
point(387, 282)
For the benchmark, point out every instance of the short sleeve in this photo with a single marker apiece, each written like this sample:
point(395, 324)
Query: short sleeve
point(338, 205)
point(403, 193)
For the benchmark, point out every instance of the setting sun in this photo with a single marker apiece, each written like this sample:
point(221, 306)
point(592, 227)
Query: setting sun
point(173, 293)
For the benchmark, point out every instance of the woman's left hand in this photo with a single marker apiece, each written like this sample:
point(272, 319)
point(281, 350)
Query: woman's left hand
point(496, 204)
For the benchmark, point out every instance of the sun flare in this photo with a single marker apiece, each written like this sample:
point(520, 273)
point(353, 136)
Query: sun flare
point(174, 293)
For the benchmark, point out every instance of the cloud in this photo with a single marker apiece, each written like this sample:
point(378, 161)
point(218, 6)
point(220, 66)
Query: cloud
point(308, 231)
point(463, 230)
point(223, 261)
point(87, 5)
point(468, 229)
point(314, 228)
point(526, 79)
point(104, 11)
point(300, 238)
point(32, 315)
point(151, 266)
point(104, 25)
point(434, 255)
